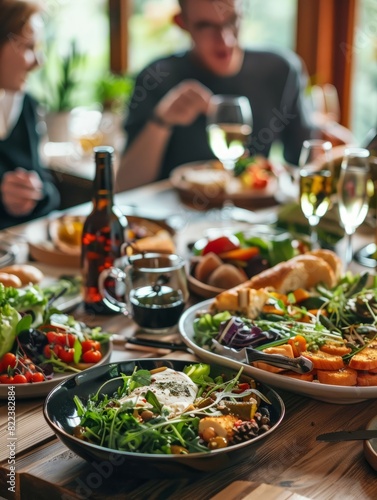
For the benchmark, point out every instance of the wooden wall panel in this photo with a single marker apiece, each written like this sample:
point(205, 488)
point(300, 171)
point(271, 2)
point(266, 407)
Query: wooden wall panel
point(325, 33)
point(119, 12)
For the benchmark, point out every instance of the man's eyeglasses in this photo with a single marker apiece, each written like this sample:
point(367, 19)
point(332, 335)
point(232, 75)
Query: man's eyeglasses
point(208, 29)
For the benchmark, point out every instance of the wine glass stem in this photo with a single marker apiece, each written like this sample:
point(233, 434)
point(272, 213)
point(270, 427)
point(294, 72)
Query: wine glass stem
point(314, 237)
point(349, 253)
point(229, 165)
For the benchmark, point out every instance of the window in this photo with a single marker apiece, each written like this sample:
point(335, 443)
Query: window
point(265, 22)
point(269, 22)
point(86, 23)
point(151, 20)
point(364, 52)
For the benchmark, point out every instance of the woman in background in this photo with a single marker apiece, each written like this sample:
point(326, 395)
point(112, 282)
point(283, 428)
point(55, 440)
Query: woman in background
point(26, 189)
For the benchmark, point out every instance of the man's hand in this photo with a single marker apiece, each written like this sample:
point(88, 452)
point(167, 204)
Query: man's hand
point(337, 134)
point(184, 103)
point(20, 191)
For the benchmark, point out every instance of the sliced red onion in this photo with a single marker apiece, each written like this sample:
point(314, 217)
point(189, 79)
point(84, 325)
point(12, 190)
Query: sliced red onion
point(235, 333)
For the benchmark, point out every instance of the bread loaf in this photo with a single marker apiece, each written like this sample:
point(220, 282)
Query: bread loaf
point(245, 301)
point(331, 258)
point(25, 272)
point(161, 242)
point(303, 271)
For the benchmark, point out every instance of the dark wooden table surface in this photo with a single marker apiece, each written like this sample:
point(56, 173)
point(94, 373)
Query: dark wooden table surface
point(290, 464)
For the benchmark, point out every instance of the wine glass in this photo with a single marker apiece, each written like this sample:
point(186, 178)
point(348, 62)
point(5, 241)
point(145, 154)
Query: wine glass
point(229, 125)
point(353, 193)
point(316, 183)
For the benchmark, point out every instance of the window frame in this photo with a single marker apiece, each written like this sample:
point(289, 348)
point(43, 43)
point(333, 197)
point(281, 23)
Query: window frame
point(325, 35)
point(324, 40)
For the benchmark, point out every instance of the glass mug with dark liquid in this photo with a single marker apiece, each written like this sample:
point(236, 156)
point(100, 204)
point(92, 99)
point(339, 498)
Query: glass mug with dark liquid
point(153, 287)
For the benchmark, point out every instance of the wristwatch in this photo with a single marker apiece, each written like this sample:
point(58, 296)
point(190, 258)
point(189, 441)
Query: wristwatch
point(160, 121)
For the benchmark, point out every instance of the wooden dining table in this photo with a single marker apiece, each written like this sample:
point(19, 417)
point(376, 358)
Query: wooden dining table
point(291, 463)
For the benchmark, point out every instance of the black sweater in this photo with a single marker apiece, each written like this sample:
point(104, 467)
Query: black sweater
point(21, 149)
point(273, 81)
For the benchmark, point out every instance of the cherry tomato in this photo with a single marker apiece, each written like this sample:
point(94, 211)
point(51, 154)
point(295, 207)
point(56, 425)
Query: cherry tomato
point(29, 376)
point(8, 360)
point(5, 379)
point(221, 244)
point(241, 387)
point(61, 338)
point(55, 348)
point(88, 345)
point(37, 377)
point(47, 351)
point(91, 356)
point(66, 354)
point(19, 379)
point(69, 339)
point(259, 183)
point(51, 337)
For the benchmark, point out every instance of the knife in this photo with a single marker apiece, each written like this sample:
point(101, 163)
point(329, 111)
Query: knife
point(348, 435)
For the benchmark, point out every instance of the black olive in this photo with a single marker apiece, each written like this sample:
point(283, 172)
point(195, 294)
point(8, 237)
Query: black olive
point(256, 265)
point(32, 342)
point(47, 368)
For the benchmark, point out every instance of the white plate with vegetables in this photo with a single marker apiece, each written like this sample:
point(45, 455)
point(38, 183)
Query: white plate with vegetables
point(314, 389)
point(39, 345)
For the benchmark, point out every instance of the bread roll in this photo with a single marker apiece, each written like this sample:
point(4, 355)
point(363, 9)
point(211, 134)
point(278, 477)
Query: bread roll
point(10, 280)
point(25, 272)
point(226, 276)
point(206, 265)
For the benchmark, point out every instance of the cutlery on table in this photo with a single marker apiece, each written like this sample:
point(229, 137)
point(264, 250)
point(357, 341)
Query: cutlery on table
point(333, 437)
point(159, 344)
point(248, 355)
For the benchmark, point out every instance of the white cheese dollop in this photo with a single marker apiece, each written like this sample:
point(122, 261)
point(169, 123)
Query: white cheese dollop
point(173, 389)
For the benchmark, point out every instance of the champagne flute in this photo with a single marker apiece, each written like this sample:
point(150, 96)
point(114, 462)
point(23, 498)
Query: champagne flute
point(229, 125)
point(353, 193)
point(316, 183)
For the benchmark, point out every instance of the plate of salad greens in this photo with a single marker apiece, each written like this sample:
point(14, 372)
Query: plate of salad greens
point(340, 338)
point(162, 418)
point(40, 345)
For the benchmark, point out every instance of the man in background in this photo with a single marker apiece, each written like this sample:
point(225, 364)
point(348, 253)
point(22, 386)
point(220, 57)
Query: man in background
point(166, 125)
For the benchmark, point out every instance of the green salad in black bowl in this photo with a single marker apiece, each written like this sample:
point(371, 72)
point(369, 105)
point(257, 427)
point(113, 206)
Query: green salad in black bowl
point(159, 417)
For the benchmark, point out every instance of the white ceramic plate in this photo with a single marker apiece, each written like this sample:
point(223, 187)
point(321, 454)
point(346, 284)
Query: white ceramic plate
point(41, 389)
point(315, 390)
point(218, 191)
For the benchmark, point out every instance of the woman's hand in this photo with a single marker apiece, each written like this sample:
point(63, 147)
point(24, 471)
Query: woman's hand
point(20, 191)
point(183, 103)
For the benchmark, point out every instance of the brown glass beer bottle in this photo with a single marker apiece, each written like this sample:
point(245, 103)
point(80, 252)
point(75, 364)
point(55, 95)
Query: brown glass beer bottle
point(104, 232)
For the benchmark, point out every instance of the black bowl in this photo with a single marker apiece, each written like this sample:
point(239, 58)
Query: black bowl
point(61, 415)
